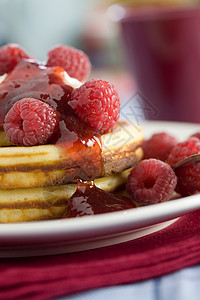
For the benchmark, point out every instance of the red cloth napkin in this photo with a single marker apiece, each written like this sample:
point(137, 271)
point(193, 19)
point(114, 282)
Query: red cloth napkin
point(171, 249)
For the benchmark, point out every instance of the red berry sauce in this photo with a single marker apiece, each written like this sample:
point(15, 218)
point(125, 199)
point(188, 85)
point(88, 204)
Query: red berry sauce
point(90, 200)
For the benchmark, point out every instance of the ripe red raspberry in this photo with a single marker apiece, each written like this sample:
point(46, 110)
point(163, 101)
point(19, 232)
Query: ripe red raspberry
point(188, 175)
point(75, 62)
point(97, 104)
point(197, 135)
point(30, 122)
point(151, 181)
point(10, 55)
point(158, 146)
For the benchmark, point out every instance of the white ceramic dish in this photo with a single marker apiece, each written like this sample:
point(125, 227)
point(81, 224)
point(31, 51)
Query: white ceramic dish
point(68, 235)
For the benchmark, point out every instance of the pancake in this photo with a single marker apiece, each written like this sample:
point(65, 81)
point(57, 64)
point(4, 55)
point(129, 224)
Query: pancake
point(49, 165)
point(33, 204)
point(36, 182)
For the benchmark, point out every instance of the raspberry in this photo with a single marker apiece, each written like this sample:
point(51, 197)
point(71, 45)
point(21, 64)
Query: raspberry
point(188, 175)
point(151, 181)
point(197, 135)
point(96, 103)
point(158, 146)
point(10, 55)
point(75, 62)
point(30, 122)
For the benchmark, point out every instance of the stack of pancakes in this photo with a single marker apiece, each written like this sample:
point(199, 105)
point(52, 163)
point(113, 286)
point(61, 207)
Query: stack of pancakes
point(34, 181)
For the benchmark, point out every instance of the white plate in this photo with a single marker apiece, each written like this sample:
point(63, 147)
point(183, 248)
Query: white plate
point(68, 235)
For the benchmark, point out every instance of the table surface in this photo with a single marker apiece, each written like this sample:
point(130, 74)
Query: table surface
point(181, 285)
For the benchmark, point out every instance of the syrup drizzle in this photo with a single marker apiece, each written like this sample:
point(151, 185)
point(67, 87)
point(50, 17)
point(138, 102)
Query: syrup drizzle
point(90, 200)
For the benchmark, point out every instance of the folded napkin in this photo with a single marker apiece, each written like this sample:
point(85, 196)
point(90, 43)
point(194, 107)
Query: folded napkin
point(160, 253)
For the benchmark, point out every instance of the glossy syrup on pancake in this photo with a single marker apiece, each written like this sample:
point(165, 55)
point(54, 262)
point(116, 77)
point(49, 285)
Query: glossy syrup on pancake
point(35, 80)
point(84, 201)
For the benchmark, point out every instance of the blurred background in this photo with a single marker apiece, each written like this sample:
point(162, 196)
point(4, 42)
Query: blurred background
point(92, 25)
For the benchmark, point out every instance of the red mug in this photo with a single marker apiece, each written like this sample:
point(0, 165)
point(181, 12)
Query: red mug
point(163, 50)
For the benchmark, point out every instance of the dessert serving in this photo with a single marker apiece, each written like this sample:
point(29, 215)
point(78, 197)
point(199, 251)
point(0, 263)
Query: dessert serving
point(58, 135)
point(63, 151)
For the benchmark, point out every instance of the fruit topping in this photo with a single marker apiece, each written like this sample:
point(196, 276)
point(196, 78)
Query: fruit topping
point(47, 84)
point(33, 80)
point(10, 55)
point(90, 200)
point(197, 135)
point(30, 122)
point(158, 146)
point(188, 175)
point(183, 150)
point(75, 62)
point(151, 181)
point(97, 104)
